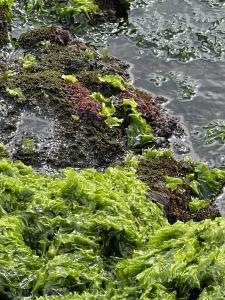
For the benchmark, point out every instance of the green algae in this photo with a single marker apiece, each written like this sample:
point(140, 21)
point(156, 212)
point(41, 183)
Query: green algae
point(176, 184)
point(96, 235)
point(115, 80)
point(196, 204)
point(182, 261)
point(3, 151)
point(70, 78)
point(29, 61)
point(79, 13)
point(74, 233)
point(215, 131)
point(29, 145)
point(73, 227)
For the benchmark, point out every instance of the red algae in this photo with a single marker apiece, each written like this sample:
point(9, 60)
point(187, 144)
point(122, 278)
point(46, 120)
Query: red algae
point(82, 104)
point(151, 111)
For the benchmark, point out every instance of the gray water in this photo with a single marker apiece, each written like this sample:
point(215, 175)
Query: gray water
point(176, 49)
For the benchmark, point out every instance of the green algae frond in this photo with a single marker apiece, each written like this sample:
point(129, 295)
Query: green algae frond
point(115, 80)
point(196, 204)
point(16, 92)
point(79, 6)
point(174, 183)
point(70, 78)
point(182, 261)
point(215, 132)
point(108, 110)
point(29, 61)
point(205, 181)
point(139, 132)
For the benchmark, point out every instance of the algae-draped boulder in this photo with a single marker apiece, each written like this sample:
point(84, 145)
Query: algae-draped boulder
point(75, 106)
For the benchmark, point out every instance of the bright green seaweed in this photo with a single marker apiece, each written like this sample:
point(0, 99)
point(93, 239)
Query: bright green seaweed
point(65, 233)
point(95, 235)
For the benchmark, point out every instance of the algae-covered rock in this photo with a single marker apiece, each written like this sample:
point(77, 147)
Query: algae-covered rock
point(82, 122)
point(181, 185)
point(5, 17)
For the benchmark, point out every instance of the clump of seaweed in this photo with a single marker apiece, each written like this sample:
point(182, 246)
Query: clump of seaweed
point(183, 261)
point(80, 11)
point(99, 234)
point(69, 231)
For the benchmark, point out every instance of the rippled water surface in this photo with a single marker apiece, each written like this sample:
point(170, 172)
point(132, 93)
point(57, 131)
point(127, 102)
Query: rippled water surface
point(177, 49)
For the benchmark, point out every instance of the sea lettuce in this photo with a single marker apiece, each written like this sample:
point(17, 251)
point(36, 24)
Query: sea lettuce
point(182, 261)
point(64, 233)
